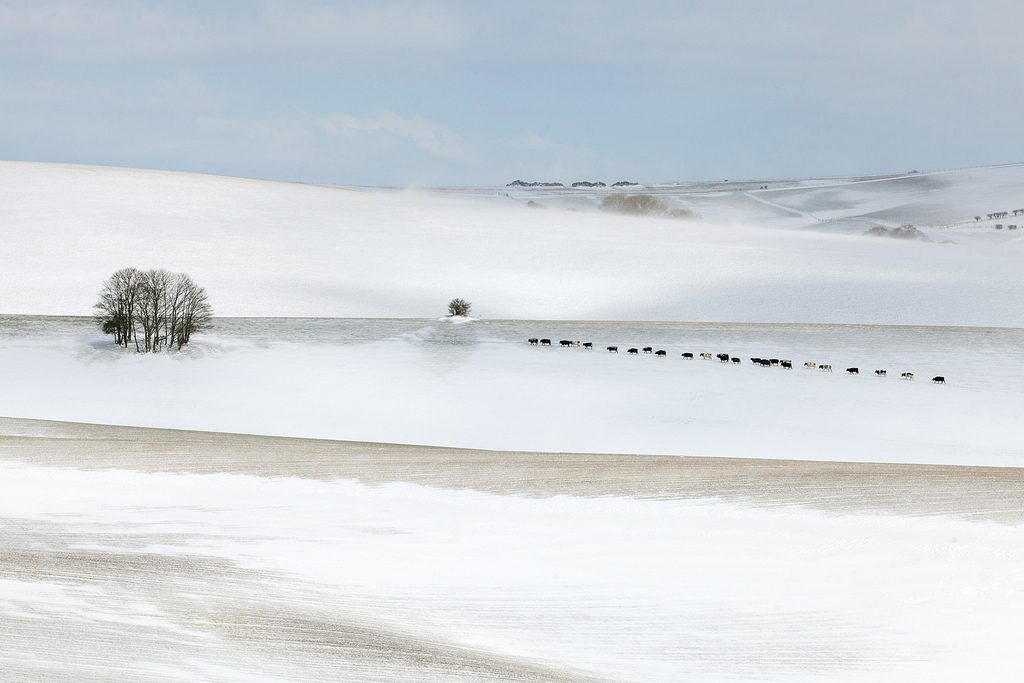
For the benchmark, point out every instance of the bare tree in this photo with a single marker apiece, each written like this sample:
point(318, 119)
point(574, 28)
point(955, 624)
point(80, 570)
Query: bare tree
point(116, 309)
point(153, 310)
point(196, 312)
point(459, 307)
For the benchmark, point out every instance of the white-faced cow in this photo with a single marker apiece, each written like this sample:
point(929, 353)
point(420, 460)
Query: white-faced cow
point(907, 375)
point(810, 366)
point(880, 373)
point(532, 340)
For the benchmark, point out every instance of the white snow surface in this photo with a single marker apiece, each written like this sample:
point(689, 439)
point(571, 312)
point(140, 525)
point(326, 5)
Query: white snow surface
point(622, 589)
point(478, 384)
point(266, 248)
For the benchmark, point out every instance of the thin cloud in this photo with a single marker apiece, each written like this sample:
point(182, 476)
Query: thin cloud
point(425, 135)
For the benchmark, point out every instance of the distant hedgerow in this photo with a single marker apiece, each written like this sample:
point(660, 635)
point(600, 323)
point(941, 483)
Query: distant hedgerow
point(643, 205)
point(904, 232)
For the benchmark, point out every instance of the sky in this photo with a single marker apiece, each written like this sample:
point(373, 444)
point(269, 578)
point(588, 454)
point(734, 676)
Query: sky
point(482, 93)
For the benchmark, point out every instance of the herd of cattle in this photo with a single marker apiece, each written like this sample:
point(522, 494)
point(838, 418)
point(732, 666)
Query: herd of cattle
point(724, 358)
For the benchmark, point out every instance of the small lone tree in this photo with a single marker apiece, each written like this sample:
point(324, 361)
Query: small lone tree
point(459, 307)
point(153, 309)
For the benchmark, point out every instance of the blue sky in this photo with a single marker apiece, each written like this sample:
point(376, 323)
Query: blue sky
point(398, 93)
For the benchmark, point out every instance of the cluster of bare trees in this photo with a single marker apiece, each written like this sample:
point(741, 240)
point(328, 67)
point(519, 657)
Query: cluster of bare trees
point(152, 309)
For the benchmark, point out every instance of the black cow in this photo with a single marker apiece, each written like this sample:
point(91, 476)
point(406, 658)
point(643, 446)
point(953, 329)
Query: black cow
point(788, 364)
point(613, 349)
point(853, 371)
point(565, 343)
point(736, 361)
point(648, 349)
point(631, 351)
point(532, 340)
point(688, 356)
point(660, 352)
point(588, 345)
point(755, 361)
point(723, 357)
point(773, 361)
point(545, 342)
point(939, 379)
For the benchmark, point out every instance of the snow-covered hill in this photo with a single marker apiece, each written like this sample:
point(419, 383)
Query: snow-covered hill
point(942, 203)
point(270, 249)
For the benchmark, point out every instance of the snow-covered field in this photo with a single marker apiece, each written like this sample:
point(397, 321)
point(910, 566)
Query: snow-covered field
point(147, 555)
point(284, 249)
point(480, 385)
point(162, 575)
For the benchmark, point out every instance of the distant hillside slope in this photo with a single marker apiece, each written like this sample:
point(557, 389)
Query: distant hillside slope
point(938, 200)
point(285, 249)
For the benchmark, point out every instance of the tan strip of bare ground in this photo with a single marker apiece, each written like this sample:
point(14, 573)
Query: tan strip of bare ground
point(994, 493)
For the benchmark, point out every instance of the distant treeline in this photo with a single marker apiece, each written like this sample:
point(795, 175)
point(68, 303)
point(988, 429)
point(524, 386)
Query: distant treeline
point(579, 183)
